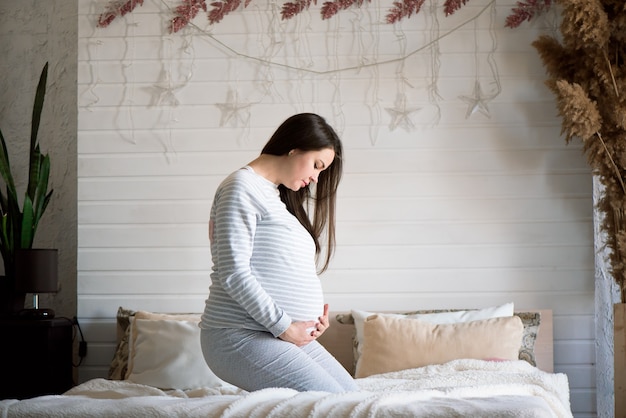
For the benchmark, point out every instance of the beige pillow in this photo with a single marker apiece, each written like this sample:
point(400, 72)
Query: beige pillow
point(440, 317)
point(165, 352)
point(394, 343)
point(118, 369)
point(530, 320)
point(133, 330)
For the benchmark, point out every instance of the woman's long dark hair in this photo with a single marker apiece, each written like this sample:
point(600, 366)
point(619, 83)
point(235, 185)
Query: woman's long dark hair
point(310, 132)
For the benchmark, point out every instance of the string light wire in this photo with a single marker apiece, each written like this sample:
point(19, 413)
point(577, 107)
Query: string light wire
point(348, 68)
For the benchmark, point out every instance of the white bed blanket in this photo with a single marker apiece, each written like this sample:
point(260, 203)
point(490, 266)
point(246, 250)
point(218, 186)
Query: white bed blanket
point(459, 388)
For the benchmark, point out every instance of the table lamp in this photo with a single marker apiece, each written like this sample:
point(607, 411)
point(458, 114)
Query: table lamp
point(36, 271)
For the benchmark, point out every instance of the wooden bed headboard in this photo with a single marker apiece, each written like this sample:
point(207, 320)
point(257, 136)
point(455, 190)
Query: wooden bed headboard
point(338, 341)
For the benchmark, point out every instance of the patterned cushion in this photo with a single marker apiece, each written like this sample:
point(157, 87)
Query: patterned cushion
point(119, 363)
point(531, 321)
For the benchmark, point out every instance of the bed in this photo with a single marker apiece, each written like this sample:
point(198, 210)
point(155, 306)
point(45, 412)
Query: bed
point(479, 362)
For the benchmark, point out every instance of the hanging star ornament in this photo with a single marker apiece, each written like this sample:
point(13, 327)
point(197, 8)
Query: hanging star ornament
point(164, 91)
point(477, 102)
point(400, 114)
point(233, 111)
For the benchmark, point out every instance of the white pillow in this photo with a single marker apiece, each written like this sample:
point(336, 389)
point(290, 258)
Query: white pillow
point(432, 318)
point(166, 354)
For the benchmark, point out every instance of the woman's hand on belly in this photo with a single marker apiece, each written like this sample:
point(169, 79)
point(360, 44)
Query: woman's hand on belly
point(303, 332)
point(299, 333)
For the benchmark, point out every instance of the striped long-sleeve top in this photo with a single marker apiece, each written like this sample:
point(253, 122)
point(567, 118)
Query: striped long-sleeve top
point(264, 273)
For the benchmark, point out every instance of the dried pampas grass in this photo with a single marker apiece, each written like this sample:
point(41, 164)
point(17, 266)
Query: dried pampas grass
point(586, 73)
point(580, 114)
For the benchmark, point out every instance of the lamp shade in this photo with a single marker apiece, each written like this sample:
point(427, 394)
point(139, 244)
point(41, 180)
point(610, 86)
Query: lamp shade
point(36, 270)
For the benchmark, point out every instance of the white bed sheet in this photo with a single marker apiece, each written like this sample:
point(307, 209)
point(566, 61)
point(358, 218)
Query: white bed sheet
point(458, 388)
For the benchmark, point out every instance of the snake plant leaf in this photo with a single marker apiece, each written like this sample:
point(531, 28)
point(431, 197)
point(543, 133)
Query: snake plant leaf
point(5, 230)
point(11, 227)
point(4, 203)
point(41, 199)
point(33, 172)
point(43, 207)
point(14, 215)
point(5, 168)
point(6, 235)
point(27, 224)
point(37, 108)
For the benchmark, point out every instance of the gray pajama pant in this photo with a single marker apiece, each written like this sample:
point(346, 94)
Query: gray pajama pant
point(253, 360)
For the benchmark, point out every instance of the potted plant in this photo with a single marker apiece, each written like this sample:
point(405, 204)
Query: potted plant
point(19, 224)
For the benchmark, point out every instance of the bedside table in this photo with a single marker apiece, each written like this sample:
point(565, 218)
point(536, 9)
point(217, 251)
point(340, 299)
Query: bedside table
point(37, 357)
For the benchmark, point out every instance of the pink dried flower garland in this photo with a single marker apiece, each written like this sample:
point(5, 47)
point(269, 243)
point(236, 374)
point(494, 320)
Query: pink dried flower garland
point(222, 8)
point(292, 8)
point(115, 9)
point(451, 6)
point(188, 10)
point(185, 14)
point(331, 8)
point(525, 11)
point(404, 8)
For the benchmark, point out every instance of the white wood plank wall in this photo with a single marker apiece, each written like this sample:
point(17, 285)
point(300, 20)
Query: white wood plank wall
point(455, 212)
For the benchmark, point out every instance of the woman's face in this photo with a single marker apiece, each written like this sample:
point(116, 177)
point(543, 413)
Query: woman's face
point(305, 166)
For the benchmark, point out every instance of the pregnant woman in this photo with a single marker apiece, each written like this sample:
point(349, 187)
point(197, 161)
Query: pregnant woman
point(265, 308)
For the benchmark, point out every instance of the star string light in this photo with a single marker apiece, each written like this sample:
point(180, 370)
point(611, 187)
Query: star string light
point(477, 102)
point(164, 90)
point(435, 62)
point(400, 114)
point(233, 111)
